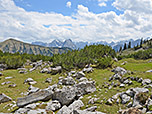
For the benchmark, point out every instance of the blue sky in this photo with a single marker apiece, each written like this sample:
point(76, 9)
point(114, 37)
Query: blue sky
point(79, 20)
point(59, 6)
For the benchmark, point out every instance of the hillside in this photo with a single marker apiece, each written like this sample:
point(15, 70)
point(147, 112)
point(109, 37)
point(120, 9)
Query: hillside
point(14, 46)
point(146, 44)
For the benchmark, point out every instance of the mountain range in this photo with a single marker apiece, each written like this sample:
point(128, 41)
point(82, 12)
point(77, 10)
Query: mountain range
point(13, 46)
point(80, 45)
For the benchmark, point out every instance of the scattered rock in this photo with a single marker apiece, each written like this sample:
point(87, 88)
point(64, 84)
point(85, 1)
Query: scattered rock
point(146, 81)
point(130, 111)
point(76, 105)
point(124, 98)
point(87, 70)
point(42, 95)
point(8, 77)
point(53, 105)
point(149, 71)
point(48, 80)
point(119, 70)
point(57, 69)
point(65, 96)
point(64, 110)
point(32, 89)
point(4, 98)
point(1, 74)
point(12, 85)
point(91, 109)
point(80, 75)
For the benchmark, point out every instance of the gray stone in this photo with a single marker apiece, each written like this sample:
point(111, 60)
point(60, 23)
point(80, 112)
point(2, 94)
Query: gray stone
point(57, 69)
point(83, 79)
point(80, 74)
point(129, 104)
point(149, 71)
point(91, 109)
point(12, 85)
point(48, 80)
point(146, 81)
point(32, 89)
point(67, 81)
point(38, 111)
point(4, 98)
point(87, 70)
point(53, 105)
point(42, 95)
point(109, 101)
point(92, 100)
point(119, 70)
point(64, 110)
point(8, 77)
point(124, 98)
point(65, 96)
point(44, 70)
point(28, 80)
point(22, 111)
point(85, 87)
point(76, 105)
point(122, 85)
point(31, 106)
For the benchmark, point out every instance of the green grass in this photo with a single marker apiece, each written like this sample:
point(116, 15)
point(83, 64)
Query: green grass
point(138, 67)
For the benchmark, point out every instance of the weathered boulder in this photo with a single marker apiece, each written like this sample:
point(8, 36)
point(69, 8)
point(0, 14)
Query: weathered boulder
point(65, 96)
point(146, 81)
point(140, 96)
point(4, 98)
point(124, 98)
point(12, 85)
point(30, 81)
point(57, 69)
point(119, 70)
point(83, 79)
point(87, 70)
point(85, 87)
point(67, 81)
point(44, 70)
point(22, 111)
point(76, 105)
point(91, 109)
point(64, 110)
point(149, 71)
point(38, 111)
point(48, 80)
point(92, 100)
point(42, 95)
point(80, 74)
point(32, 89)
point(53, 105)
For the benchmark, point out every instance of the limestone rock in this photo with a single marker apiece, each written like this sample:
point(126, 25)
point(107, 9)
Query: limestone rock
point(4, 98)
point(41, 95)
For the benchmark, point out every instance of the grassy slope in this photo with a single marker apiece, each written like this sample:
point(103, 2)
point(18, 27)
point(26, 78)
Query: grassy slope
point(100, 76)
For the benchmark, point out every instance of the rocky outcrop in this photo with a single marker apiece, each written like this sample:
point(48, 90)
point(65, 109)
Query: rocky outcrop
point(4, 98)
point(42, 95)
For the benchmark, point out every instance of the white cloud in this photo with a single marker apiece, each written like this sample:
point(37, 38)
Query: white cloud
point(68, 4)
point(29, 26)
point(102, 4)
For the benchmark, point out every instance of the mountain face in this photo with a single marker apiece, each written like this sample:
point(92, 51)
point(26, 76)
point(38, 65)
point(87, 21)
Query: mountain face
point(14, 46)
point(57, 43)
point(80, 45)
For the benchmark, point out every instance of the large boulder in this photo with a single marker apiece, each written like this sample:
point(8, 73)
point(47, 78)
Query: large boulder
point(85, 87)
point(4, 98)
point(53, 105)
point(42, 95)
point(119, 70)
point(67, 81)
point(64, 110)
point(87, 70)
point(76, 105)
point(146, 81)
point(65, 96)
point(124, 98)
point(57, 69)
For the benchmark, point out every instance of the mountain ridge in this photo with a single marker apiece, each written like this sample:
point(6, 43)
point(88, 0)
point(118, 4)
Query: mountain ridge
point(13, 46)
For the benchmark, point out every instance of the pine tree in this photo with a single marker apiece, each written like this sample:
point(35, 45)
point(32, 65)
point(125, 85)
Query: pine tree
point(125, 46)
point(141, 42)
point(129, 45)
